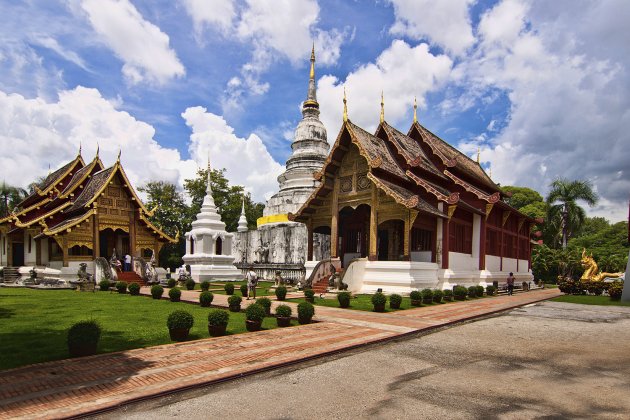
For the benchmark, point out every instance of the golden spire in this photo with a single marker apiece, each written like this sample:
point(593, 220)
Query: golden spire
point(118, 158)
point(79, 148)
point(382, 108)
point(312, 73)
point(415, 110)
point(345, 106)
point(98, 148)
point(478, 152)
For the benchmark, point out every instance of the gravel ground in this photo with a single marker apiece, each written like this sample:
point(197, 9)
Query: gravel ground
point(553, 360)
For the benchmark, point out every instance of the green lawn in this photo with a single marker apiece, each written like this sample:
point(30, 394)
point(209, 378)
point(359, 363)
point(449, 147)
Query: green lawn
point(33, 323)
point(362, 303)
point(262, 289)
point(590, 300)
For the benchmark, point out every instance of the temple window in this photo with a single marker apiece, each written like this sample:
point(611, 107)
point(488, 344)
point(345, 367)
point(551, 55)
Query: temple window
point(78, 250)
point(460, 237)
point(30, 244)
point(421, 240)
point(192, 245)
point(219, 246)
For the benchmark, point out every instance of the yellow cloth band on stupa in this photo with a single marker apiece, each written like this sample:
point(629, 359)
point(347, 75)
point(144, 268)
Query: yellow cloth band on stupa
point(273, 218)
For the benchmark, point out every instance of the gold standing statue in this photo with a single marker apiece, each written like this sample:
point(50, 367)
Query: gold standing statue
point(591, 270)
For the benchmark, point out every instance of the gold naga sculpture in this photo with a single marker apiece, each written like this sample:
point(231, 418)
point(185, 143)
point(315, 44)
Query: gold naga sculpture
point(591, 270)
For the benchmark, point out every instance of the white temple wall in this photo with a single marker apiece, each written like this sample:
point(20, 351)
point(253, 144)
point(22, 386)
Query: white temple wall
point(43, 243)
point(476, 239)
point(509, 264)
point(459, 261)
point(523, 266)
point(29, 257)
point(420, 256)
point(493, 263)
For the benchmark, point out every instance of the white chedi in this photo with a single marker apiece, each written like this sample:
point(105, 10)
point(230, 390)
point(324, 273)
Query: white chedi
point(242, 221)
point(209, 245)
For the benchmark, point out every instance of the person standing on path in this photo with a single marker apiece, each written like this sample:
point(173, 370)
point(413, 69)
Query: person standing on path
point(510, 283)
point(252, 280)
point(127, 262)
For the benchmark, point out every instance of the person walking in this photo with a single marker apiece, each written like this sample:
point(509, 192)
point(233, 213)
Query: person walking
point(252, 281)
point(510, 284)
point(127, 262)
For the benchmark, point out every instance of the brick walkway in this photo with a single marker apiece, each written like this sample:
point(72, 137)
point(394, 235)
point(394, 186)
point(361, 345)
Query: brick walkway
point(76, 387)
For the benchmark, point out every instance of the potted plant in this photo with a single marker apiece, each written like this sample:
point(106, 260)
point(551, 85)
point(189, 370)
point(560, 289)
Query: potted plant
point(615, 290)
point(157, 291)
point(416, 298)
point(234, 303)
point(306, 311)
point(427, 296)
point(83, 338)
point(281, 292)
point(171, 283)
point(121, 286)
point(447, 295)
point(394, 301)
point(190, 284)
point(179, 324)
point(266, 304)
point(344, 299)
point(229, 288)
point(134, 289)
point(254, 315)
point(217, 322)
point(243, 290)
point(460, 292)
point(205, 299)
point(309, 295)
point(437, 296)
point(472, 291)
point(379, 300)
point(103, 285)
point(205, 286)
point(283, 315)
point(175, 294)
point(479, 290)
point(490, 290)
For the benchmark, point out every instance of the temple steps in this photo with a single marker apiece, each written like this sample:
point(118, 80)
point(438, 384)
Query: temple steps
point(130, 277)
point(10, 274)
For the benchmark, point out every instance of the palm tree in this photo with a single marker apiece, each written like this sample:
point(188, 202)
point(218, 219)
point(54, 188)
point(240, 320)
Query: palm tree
point(563, 207)
point(11, 196)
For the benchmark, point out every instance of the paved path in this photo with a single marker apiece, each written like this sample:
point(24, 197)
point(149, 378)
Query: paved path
point(76, 387)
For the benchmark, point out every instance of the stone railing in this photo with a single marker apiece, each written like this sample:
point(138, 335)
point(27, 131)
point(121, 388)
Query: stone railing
point(289, 272)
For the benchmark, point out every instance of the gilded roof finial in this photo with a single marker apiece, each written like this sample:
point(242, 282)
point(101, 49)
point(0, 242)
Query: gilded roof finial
point(415, 110)
point(478, 152)
point(382, 108)
point(98, 148)
point(118, 158)
point(312, 73)
point(79, 148)
point(345, 106)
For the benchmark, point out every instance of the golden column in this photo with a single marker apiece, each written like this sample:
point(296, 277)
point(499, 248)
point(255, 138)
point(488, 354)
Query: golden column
point(373, 224)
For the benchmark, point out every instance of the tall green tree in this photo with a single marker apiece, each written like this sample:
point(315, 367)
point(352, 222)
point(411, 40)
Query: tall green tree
point(228, 199)
point(521, 196)
point(10, 197)
point(172, 215)
point(564, 211)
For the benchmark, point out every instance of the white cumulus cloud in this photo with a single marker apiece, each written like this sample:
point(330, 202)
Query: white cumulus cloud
point(141, 45)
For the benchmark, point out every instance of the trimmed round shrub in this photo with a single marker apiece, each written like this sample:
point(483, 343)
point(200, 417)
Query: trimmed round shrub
point(134, 289)
point(190, 284)
point(265, 303)
point(306, 311)
point(490, 289)
point(205, 285)
point(615, 290)
point(472, 291)
point(344, 299)
point(426, 294)
point(284, 311)
point(229, 288)
point(104, 285)
point(171, 283)
point(309, 294)
point(416, 297)
point(179, 319)
point(175, 294)
point(460, 292)
point(394, 301)
point(205, 299)
point(121, 286)
point(157, 291)
point(447, 294)
point(479, 291)
point(281, 292)
point(437, 296)
point(379, 300)
point(255, 312)
point(218, 317)
point(244, 290)
point(83, 338)
point(234, 302)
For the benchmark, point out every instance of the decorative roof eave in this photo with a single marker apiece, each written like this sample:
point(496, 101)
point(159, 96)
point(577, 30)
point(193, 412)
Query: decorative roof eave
point(490, 198)
point(157, 230)
point(53, 184)
point(412, 202)
point(64, 226)
point(376, 162)
point(26, 210)
point(435, 150)
point(451, 198)
point(42, 217)
point(86, 175)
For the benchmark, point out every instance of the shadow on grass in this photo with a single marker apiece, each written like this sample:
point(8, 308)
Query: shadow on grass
point(6, 313)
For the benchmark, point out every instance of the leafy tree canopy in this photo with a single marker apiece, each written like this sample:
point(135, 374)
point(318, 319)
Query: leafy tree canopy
point(521, 196)
point(10, 197)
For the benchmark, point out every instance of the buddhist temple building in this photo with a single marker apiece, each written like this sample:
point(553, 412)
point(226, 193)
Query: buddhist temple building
point(78, 213)
point(408, 211)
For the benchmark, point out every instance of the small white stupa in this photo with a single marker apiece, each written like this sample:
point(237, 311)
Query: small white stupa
point(208, 245)
point(242, 221)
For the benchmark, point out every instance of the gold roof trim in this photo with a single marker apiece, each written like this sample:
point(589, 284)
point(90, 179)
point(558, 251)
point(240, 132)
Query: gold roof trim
point(62, 226)
point(43, 216)
point(156, 229)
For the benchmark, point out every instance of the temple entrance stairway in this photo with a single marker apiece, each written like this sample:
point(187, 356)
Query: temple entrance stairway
point(130, 277)
point(10, 274)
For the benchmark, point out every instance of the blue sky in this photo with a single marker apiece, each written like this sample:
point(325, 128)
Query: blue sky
point(540, 88)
